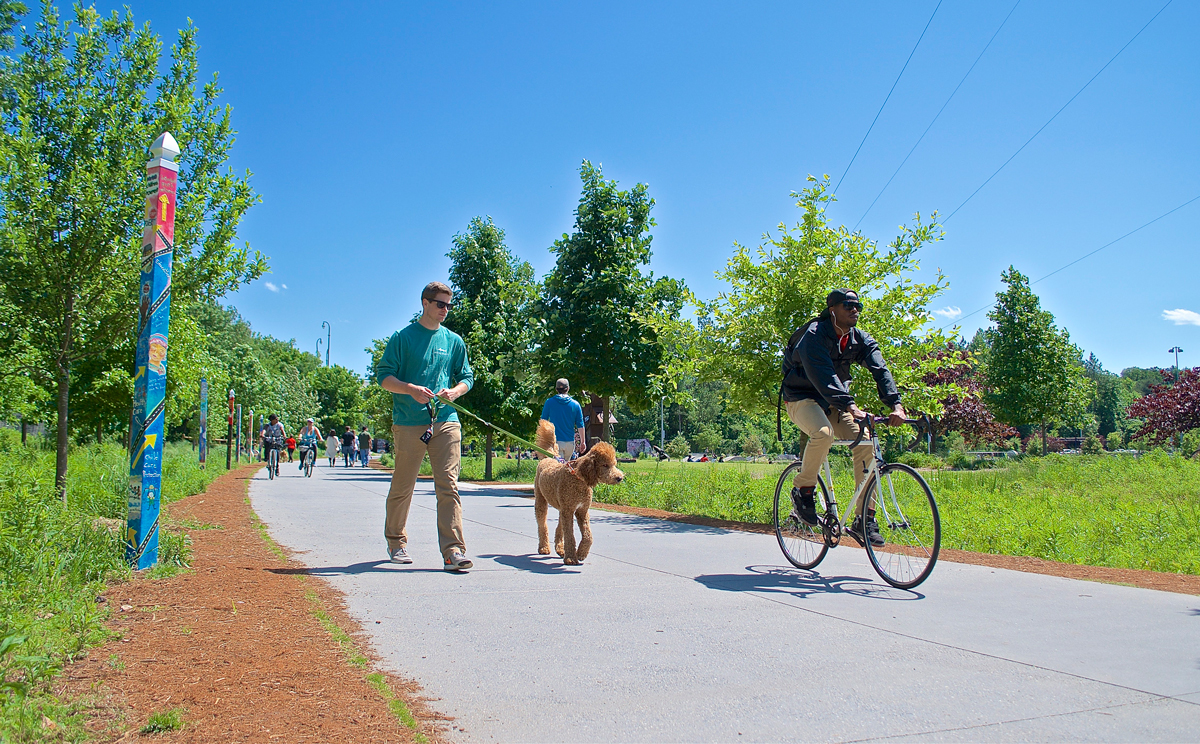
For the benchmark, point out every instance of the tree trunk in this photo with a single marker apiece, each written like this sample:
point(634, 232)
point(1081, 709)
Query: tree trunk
point(99, 433)
point(64, 433)
point(1043, 437)
point(24, 428)
point(604, 421)
point(487, 457)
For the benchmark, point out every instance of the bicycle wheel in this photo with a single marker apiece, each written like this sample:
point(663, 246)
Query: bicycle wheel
point(909, 524)
point(272, 459)
point(803, 545)
point(309, 458)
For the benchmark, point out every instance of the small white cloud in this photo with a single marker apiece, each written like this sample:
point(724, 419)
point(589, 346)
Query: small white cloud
point(271, 286)
point(1182, 317)
point(285, 286)
point(950, 312)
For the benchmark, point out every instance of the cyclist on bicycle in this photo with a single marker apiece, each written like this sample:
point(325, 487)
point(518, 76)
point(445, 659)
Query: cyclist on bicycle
point(272, 436)
point(816, 391)
point(309, 436)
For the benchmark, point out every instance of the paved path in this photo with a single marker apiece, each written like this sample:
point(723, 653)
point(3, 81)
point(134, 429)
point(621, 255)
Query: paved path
point(674, 632)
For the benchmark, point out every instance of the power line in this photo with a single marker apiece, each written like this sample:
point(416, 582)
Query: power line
point(889, 95)
point(1056, 113)
point(1086, 255)
point(939, 113)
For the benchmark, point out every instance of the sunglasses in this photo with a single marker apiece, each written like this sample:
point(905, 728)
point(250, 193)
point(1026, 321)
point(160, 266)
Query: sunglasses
point(852, 305)
point(443, 305)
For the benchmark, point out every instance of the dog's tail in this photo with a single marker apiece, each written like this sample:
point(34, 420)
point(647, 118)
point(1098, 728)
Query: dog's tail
point(545, 438)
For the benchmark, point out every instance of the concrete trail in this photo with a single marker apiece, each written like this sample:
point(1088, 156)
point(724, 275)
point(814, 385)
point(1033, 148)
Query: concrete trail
point(675, 632)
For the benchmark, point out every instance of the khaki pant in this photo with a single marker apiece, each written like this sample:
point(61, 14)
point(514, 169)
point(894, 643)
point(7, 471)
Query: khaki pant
point(821, 431)
point(566, 449)
point(444, 449)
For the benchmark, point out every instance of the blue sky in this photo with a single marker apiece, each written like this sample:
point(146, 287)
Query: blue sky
point(375, 131)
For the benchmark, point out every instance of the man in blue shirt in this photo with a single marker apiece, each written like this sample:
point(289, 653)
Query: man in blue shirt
point(567, 417)
point(418, 360)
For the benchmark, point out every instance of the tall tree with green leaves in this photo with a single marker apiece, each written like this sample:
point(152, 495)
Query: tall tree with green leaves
point(773, 290)
point(83, 101)
point(339, 394)
point(597, 300)
point(493, 297)
point(1034, 373)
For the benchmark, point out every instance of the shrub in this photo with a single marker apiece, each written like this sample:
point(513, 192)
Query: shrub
point(1114, 440)
point(678, 447)
point(387, 460)
point(752, 446)
point(951, 443)
point(1191, 442)
point(1033, 445)
point(1092, 446)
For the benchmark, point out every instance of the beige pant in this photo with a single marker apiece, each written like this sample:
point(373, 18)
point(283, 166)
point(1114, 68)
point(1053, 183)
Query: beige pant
point(566, 449)
point(444, 450)
point(821, 431)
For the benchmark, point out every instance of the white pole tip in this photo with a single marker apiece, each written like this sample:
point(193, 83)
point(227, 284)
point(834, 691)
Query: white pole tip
point(165, 147)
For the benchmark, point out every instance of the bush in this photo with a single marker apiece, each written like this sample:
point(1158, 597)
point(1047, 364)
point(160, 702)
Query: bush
point(678, 447)
point(387, 460)
point(752, 446)
point(951, 442)
point(1092, 446)
point(1191, 442)
point(1033, 445)
point(1114, 441)
point(921, 460)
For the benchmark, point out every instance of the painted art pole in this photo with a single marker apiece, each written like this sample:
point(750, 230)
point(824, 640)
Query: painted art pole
point(237, 457)
point(203, 437)
point(229, 436)
point(150, 380)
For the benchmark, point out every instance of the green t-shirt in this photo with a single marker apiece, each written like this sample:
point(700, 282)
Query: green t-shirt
point(419, 356)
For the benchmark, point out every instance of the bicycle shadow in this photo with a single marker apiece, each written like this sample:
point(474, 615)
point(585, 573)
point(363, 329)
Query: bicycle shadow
point(801, 584)
point(381, 566)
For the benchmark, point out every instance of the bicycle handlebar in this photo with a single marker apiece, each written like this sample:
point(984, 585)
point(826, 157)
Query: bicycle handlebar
point(869, 423)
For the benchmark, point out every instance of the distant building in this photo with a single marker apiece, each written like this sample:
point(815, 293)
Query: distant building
point(593, 413)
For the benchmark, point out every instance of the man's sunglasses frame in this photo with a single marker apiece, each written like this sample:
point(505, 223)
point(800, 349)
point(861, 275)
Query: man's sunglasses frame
point(443, 305)
point(852, 305)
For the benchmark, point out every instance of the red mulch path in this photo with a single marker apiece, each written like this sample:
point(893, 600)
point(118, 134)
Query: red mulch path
point(236, 645)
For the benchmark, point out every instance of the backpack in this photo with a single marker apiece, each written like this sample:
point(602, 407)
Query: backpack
point(788, 369)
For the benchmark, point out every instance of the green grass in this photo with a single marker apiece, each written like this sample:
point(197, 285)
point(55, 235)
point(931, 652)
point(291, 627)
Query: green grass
point(54, 562)
point(472, 469)
point(162, 722)
point(1100, 510)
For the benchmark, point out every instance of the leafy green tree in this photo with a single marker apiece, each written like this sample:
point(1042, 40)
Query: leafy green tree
point(678, 447)
point(783, 284)
point(598, 300)
point(81, 107)
point(493, 297)
point(1034, 375)
point(708, 439)
point(377, 401)
point(339, 392)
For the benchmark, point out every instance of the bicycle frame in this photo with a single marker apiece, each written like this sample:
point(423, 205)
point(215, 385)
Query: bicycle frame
point(872, 477)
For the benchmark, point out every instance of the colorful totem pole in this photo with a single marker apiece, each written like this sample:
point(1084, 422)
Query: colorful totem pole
point(202, 439)
point(150, 381)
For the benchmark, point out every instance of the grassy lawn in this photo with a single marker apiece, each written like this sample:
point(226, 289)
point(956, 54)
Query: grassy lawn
point(55, 561)
point(1120, 512)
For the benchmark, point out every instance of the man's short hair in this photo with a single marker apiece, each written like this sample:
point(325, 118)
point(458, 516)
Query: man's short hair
point(561, 385)
point(433, 289)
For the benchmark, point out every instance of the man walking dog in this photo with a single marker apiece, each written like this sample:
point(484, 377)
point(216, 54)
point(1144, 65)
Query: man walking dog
point(567, 417)
point(419, 359)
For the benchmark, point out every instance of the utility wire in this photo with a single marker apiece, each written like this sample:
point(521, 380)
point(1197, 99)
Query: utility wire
point(939, 113)
point(1056, 113)
point(889, 95)
point(1086, 255)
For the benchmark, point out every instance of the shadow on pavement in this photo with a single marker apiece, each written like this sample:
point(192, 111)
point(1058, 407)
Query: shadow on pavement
point(535, 563)
point(382, 566)
point(801, 584)
point(634, 523)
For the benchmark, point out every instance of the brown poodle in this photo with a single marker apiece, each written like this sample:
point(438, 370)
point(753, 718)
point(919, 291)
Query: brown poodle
point(568, 488)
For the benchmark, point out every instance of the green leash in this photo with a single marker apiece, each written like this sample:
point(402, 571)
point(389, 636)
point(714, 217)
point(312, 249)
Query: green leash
point(489, 424)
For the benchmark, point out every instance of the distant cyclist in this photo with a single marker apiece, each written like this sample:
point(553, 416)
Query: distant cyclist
point(816, 389)
point(272, 436)
point(309, 436)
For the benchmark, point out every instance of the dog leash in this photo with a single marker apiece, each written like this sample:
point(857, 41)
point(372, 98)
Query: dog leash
point(460, 409)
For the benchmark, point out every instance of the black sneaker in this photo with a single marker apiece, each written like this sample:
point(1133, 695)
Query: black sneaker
point(855, 531)
point(806, 507)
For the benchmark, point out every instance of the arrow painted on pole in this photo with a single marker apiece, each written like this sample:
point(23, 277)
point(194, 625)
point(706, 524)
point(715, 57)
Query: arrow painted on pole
point(141, 371)
point(147, 441)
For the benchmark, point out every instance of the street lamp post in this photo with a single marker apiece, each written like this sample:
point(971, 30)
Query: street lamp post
point(319, 342)
point(328, 336)
point(1176, 351)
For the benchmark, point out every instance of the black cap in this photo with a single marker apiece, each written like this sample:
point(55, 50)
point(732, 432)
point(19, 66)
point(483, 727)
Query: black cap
point(838, 296)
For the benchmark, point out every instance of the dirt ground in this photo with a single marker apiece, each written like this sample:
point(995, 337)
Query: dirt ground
point(236, 642)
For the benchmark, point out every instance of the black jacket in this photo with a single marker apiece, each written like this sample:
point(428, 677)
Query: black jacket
point(815, 366)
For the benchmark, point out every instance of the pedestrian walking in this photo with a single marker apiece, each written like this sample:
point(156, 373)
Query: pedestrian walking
point(566, 415)
point(364, 447)
point(419, 359)
point(291, 447)
point(349, 443)
point(332, 445)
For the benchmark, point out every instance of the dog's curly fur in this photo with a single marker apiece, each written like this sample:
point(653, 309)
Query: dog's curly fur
point(569, 489)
